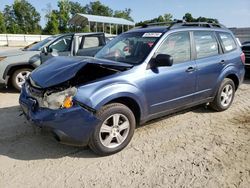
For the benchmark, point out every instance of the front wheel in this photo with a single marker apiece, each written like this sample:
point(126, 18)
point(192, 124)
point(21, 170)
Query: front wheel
point(114, 131)
point(224, 96)
point(19, 76)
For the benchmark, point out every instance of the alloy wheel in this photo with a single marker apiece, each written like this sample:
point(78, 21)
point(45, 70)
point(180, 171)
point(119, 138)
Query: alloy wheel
point(114, 130)
point(21, 77)
point(226, 95)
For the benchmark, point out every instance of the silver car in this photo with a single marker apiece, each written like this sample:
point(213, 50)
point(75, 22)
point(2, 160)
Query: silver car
point(16, 65)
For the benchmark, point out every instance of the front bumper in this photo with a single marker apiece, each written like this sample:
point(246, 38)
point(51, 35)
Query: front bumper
point(3, 81)
point(72, 126)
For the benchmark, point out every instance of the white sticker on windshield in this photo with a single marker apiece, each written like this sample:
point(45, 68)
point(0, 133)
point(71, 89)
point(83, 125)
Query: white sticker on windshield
point(151, 34)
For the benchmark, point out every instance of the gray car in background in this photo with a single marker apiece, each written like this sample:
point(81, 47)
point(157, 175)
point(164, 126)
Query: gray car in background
point(16, 65)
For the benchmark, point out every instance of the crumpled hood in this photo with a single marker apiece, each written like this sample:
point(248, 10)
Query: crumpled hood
point(9, 53)
point(60, 69)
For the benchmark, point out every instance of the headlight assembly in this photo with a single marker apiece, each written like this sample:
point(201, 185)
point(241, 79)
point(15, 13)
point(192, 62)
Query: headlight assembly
point(59, 100)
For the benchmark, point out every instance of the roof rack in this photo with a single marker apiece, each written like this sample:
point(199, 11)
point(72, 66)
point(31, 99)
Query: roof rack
point(181, 23)
point(161, 23)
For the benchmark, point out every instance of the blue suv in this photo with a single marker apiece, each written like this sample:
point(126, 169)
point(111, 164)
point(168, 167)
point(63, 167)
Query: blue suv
point(140, 75)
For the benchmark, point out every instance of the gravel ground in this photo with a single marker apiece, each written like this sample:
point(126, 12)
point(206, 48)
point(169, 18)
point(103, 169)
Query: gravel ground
point(193, 148)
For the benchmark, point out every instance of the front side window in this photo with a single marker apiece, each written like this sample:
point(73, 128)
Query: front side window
point(206, 44)
point(178, 46)
point(228, 42)
point(62, 45)
point(132, 48)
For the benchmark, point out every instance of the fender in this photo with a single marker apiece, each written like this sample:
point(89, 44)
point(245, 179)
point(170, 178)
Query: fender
point(6, 71)
point(107, 93)
point(231, 69)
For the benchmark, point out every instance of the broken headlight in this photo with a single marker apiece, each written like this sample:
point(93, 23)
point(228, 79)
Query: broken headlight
point(62, 99)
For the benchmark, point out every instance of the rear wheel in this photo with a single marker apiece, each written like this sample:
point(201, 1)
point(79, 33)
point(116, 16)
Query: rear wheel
point(224, 96)
point(19, 76)
point(114, 131)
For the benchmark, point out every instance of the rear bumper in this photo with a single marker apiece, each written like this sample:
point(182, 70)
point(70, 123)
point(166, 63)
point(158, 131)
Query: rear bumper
point(72, 126)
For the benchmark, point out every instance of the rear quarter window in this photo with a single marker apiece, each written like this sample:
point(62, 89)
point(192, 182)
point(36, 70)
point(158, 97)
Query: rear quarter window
point(227, 41)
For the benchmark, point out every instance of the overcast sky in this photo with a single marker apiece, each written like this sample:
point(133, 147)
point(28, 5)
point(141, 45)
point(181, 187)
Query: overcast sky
point(232, 13)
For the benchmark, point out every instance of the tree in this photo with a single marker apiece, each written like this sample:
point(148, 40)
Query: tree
point(188, 18)
point(161, 18)
point(97, 8)
point(75, 8)
point(168, 17)
point(26, 17)
point(9, 19)
point(52, 25)
point(123, 14)
point(2, 24)
point(63, 15)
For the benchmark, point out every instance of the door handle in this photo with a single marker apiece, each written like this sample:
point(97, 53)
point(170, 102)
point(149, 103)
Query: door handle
point(190, 69)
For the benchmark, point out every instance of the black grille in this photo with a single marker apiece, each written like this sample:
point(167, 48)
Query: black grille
point(246, 50)
point(34, 91)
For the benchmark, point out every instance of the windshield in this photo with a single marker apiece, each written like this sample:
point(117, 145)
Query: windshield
point(39, 45)
point(130, 48)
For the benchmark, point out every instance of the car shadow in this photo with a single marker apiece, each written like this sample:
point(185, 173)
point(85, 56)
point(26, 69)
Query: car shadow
point(22, 141)
point(196, 109)
point(8, 89)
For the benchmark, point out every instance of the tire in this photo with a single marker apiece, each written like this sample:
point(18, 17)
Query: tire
point(223, 94)
point(19, 76)
point(110, 137)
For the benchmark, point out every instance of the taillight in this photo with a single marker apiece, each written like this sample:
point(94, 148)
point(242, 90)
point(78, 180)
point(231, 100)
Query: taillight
point(243, 58)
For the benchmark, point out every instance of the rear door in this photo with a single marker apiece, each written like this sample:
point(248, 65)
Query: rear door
point(209, 61)
point(60, 47)
point(89, 45)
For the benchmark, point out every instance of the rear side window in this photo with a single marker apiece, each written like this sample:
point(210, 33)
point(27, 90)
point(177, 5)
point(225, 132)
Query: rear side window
point(206, 44)
point(91, 42)
point(228, 43)
point(178, 46)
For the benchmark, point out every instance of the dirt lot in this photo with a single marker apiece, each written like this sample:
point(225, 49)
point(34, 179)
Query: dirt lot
point(193, 148)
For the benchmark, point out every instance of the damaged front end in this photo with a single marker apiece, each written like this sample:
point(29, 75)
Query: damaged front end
point(55, 83)
point(55, 111)
point(47, 97)
point(52, 98)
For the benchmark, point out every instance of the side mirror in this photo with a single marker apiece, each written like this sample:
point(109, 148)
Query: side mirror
point(163, 60)
point(45, 50)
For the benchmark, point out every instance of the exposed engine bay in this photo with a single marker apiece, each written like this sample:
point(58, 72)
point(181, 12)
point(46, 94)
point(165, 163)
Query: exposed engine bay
point(60, 96)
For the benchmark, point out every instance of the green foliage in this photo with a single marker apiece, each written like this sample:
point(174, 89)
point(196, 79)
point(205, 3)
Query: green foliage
point(189, 18)
point(97, 8)
point(76, 7)
point(161, 18)
point(124, 14)
point(21, 17)
point(63, 15)
point(26, 17)
point(2, 24)
point(10, 21)
point(169, 18)
point(52, 25)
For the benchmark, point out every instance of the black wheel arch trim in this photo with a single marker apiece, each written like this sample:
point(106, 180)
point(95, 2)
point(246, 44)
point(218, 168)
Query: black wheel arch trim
point(9, 67)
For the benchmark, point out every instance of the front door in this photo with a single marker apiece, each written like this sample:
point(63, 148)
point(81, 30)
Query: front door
point(171, 87)
point(60, 47)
